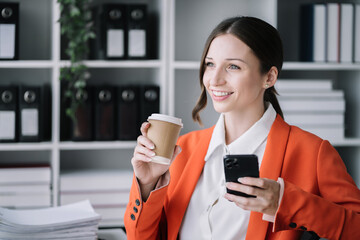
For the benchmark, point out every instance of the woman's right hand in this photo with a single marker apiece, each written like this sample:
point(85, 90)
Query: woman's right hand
point(147, 172)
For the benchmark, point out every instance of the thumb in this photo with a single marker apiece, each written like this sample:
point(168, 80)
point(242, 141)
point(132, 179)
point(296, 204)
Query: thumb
point(177, 150)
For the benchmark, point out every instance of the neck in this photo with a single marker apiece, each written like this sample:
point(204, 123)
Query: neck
point(237, 123)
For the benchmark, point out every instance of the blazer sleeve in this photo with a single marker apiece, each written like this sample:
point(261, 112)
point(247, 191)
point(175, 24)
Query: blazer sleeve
point(142, 219)
point(334, 213)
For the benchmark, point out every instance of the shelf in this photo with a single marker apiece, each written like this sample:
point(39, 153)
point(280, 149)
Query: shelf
point(287, 66)
point(192, 65)
point(119, 63)
point(320, 66)
point(27, 64)
point(68, 145)
point(187, 65)
point(34, 146)
point(347, 142)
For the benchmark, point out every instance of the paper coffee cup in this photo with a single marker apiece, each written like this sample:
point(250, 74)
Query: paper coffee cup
point(164, 131)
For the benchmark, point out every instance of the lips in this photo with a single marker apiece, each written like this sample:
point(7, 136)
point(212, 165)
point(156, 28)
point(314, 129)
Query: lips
point(220, 95)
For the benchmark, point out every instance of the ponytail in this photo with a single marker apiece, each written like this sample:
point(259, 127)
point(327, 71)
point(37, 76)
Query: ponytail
point(270, 96)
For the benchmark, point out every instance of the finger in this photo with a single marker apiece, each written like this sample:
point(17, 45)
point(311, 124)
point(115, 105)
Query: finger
point(266, 200)
point(146, 142)
point(177, 151)
point(252, 204)
point(143, 150)
point(242, 202)
point(139, 159)
point(250, 190)
point(257, 182)
point(144, 127)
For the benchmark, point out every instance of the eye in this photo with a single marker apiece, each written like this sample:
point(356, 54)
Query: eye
point(233, 66)
point(209, 64)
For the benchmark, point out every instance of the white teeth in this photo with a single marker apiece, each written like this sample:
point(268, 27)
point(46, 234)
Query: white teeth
point(220, 94)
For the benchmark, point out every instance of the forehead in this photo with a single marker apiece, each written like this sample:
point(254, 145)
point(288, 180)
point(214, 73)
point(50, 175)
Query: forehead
point(229, 46)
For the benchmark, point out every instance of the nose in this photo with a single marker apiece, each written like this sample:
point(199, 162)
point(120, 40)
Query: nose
point(218, 77)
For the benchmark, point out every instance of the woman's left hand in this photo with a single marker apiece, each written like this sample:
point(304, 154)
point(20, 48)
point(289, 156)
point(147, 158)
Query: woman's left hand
point(267, 194)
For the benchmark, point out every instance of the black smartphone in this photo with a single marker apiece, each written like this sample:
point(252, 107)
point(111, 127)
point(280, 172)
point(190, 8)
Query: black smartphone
point(237, 166)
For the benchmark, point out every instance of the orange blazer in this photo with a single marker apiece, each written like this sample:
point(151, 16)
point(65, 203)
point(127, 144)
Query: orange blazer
point(319, 194)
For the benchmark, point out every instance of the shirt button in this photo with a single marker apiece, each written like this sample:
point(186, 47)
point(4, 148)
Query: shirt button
point(132, 216)
point(137, 202)
point(135, 209)
point(292, 225)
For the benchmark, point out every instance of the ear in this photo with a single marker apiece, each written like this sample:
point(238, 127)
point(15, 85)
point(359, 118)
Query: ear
point(271, 77)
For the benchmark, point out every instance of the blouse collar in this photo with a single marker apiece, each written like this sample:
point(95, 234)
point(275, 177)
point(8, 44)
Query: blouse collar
point(249, 141)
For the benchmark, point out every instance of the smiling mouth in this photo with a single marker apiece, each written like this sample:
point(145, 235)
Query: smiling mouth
point(221, 93)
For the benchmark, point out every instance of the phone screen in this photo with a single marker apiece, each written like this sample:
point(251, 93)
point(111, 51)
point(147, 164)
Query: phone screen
point(236, 166)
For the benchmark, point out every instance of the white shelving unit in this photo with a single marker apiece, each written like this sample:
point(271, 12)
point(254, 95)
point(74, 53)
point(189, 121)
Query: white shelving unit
point(40, 62)
point(183, 28)
point(192, 22)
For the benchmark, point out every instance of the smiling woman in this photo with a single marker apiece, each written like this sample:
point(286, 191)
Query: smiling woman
point(234, 82)
point(252, 52)
point(301, 178)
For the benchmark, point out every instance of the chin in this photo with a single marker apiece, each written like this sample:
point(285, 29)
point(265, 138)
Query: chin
point(220, 109)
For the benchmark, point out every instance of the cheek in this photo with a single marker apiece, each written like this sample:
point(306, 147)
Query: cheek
point(254, 85)
point(206, 80)
point(250, 87)
point(256, 89)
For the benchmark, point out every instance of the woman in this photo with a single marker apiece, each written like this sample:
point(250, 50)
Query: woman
point(303, 184)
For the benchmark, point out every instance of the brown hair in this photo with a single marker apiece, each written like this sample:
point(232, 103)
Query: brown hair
point(265, 42)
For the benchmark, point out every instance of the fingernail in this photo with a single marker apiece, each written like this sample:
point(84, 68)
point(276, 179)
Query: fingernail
point(152, 154)
point(180, 149)
point(152, 147)
point(240, 179)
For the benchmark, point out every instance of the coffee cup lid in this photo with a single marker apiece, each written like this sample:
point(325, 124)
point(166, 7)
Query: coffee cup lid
point(166, 118)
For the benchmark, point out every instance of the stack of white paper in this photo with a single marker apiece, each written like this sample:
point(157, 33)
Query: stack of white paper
point(25, 186)
point(314, 106)
point(107, 191)
point(76, 221)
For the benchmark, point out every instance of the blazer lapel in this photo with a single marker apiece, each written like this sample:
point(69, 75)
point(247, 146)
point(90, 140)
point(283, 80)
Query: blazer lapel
point(186, 185)
point(270, 168)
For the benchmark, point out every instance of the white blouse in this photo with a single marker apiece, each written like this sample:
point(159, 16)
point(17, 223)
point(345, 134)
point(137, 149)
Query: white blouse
point(209, 215)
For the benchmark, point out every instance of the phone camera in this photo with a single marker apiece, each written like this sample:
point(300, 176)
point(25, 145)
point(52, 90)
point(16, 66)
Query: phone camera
point(236, 162)
point(230, 163)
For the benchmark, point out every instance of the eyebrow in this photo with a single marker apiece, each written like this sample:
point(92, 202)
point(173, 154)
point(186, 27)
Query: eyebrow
point(230, 59)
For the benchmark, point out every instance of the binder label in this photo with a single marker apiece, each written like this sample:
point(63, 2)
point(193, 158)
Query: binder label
point(29, 122)
point(115, 43)
point(7, 125)
point(137, 43)
point(7, 40)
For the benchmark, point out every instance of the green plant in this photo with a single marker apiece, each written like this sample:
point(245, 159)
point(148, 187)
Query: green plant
point(76, 26)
